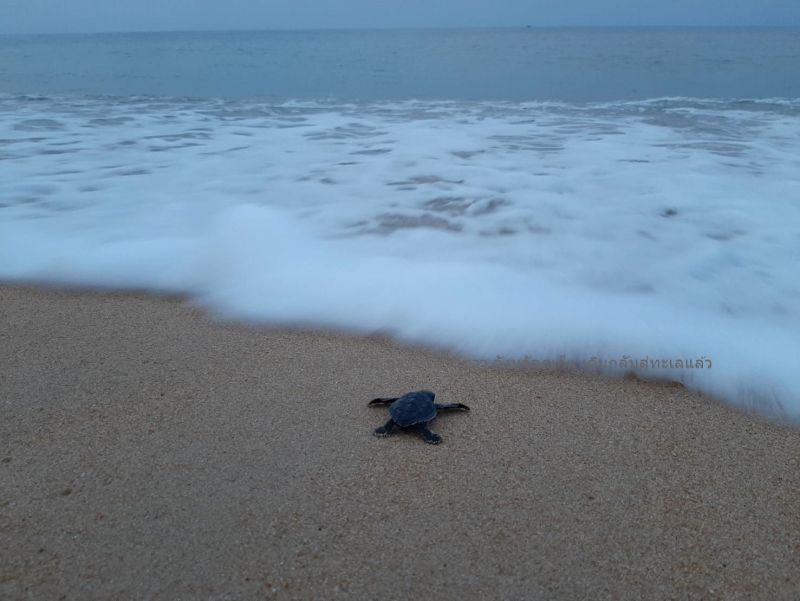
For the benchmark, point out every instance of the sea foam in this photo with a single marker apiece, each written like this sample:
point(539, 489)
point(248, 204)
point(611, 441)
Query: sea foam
point(622, 237)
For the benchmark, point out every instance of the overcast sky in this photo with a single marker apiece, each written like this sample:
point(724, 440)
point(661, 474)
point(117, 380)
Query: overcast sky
point(57, 16)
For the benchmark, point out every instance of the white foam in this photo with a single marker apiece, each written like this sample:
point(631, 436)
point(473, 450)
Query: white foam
point(659, 230)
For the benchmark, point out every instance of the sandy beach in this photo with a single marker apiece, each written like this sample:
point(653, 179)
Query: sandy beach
point(148, 451)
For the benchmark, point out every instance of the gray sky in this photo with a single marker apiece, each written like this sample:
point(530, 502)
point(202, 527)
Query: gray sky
point(57, 16)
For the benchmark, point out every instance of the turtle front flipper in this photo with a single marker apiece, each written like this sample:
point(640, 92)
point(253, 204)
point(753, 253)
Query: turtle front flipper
point(386, 429)
point(381, 401)
point(451, 406)
point(427, 435)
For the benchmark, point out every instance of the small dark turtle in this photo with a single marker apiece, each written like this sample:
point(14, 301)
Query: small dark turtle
point(414, 411)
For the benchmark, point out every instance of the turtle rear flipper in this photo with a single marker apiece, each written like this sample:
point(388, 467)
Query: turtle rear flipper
point(386, 429)
point(427, 435)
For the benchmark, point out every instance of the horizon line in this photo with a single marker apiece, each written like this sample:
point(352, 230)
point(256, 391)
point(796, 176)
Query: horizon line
point(391, 28)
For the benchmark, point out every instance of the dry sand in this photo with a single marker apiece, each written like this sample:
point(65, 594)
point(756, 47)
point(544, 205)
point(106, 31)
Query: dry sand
point(147, 452)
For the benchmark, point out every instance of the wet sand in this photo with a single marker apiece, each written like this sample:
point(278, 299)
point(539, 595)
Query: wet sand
point(149, 452)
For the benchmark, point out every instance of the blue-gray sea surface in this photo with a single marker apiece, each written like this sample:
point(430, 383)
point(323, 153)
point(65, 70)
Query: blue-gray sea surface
point(573, 65)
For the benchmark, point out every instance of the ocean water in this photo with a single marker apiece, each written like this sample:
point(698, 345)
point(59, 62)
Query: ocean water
point(540, 219)
point(570, 64)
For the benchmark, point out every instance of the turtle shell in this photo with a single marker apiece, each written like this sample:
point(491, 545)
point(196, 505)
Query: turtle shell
point(413, 408)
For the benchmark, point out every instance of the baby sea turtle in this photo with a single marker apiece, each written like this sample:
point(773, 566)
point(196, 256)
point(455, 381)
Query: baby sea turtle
point(413, 411)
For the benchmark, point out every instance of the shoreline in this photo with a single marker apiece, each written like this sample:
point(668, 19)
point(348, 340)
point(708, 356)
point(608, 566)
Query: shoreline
point(151, 451)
